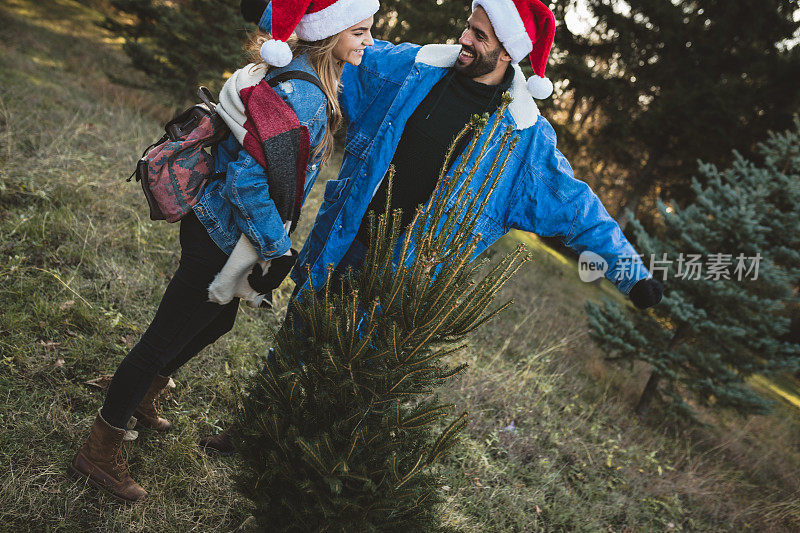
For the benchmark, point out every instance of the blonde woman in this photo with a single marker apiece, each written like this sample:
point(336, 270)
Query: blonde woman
point(329, 33)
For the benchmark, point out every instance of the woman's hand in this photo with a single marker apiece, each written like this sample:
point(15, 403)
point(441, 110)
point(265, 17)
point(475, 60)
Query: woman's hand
point(277, 270)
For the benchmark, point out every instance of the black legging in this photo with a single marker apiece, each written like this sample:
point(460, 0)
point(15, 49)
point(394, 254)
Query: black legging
point(185, 323)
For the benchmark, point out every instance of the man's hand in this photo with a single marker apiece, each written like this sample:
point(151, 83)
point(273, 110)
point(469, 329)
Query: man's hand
point(277, 270)
point(646, 293)
point(252, 10)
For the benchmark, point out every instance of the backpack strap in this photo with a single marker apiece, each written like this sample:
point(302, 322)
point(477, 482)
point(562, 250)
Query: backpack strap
point(207, 98)
point(295, 75)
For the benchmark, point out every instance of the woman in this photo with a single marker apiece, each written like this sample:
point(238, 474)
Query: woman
point(329, 33)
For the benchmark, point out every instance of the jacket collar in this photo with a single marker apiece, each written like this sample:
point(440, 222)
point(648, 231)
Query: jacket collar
point(522, 109)
point(299, 62)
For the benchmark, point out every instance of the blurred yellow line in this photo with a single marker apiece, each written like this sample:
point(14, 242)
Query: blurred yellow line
point(775, 389)
point(534, 242)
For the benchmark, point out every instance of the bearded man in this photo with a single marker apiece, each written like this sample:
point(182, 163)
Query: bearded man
point(406, 103)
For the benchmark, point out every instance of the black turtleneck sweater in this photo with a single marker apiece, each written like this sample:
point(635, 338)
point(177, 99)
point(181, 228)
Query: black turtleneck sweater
point(428, 133)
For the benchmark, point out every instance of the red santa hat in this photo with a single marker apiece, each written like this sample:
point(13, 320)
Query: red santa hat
point(311, 20)
point(525, 27)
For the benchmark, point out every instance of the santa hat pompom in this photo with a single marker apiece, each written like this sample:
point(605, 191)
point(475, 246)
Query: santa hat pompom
point(539, 87)
point(276, 53)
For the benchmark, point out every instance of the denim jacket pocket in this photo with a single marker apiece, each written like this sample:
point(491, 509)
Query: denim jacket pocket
point(358, 145)
point(334, 189)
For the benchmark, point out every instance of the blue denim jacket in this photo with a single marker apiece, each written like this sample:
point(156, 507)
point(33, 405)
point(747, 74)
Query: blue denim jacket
point(536, 192)
point(241, 203)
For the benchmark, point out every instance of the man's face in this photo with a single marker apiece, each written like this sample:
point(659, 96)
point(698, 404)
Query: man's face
point(480, 47)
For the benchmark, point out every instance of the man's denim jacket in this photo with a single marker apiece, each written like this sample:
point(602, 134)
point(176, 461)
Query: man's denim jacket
point(536, 191)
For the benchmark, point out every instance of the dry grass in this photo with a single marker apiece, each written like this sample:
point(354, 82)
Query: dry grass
point(579, 460)
point(82, 270)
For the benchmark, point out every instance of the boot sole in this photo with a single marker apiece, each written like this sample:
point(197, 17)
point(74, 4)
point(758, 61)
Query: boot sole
point(80, 476)
point(151, 428)
point(141, 424)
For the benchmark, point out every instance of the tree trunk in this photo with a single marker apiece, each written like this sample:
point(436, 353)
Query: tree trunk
point(648, 394)
point(574, 107)
point(634, 197)
point(632, 201)
point(651, 389)
point(589, 112)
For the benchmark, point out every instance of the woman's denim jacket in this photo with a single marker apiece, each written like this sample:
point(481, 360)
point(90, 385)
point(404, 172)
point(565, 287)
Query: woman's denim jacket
point(240, 203)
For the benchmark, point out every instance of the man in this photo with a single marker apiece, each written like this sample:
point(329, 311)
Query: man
point(404, 105)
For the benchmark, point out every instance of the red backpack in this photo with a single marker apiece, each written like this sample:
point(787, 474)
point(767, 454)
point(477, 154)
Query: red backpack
point(174, 170)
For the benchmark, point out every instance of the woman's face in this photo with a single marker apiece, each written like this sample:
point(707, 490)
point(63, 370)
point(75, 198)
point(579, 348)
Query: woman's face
point(352, 42)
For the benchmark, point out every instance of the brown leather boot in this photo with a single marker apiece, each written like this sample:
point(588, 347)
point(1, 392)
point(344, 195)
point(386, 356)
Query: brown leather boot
point(220, 444)
point(103, 461)
point(147, 412)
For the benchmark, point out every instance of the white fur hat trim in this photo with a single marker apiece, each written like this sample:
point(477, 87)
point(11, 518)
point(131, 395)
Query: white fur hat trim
point(508, 27)
point(335, 18)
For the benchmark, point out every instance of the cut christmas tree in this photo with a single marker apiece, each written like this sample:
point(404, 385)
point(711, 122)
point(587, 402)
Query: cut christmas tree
point(342, 429)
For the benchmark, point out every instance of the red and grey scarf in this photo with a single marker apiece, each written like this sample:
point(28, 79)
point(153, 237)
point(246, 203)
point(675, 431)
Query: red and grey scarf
point(276, 139)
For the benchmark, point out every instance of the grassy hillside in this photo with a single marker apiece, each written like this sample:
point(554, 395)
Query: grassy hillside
point(551, 446)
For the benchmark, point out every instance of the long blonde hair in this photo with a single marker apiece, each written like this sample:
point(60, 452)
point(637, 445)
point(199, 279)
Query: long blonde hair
point(329, 71)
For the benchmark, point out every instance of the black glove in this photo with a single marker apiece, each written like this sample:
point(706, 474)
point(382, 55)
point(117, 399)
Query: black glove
point(646, 293)
point(252, 10)
point(277, 270)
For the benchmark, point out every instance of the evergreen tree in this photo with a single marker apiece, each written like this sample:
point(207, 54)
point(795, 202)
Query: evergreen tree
point(342, 428)
point(421, 21)
point(718, 326)
point(181, 44)
point(654, 85)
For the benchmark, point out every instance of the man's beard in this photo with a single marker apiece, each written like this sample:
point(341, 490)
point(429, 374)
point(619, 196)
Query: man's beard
point(481, 64)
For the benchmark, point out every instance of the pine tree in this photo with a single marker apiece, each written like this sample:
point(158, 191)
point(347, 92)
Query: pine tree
point(342, 428)
point(421, 21)
point(654, 85)
point(182, 44)
point(708, 335)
